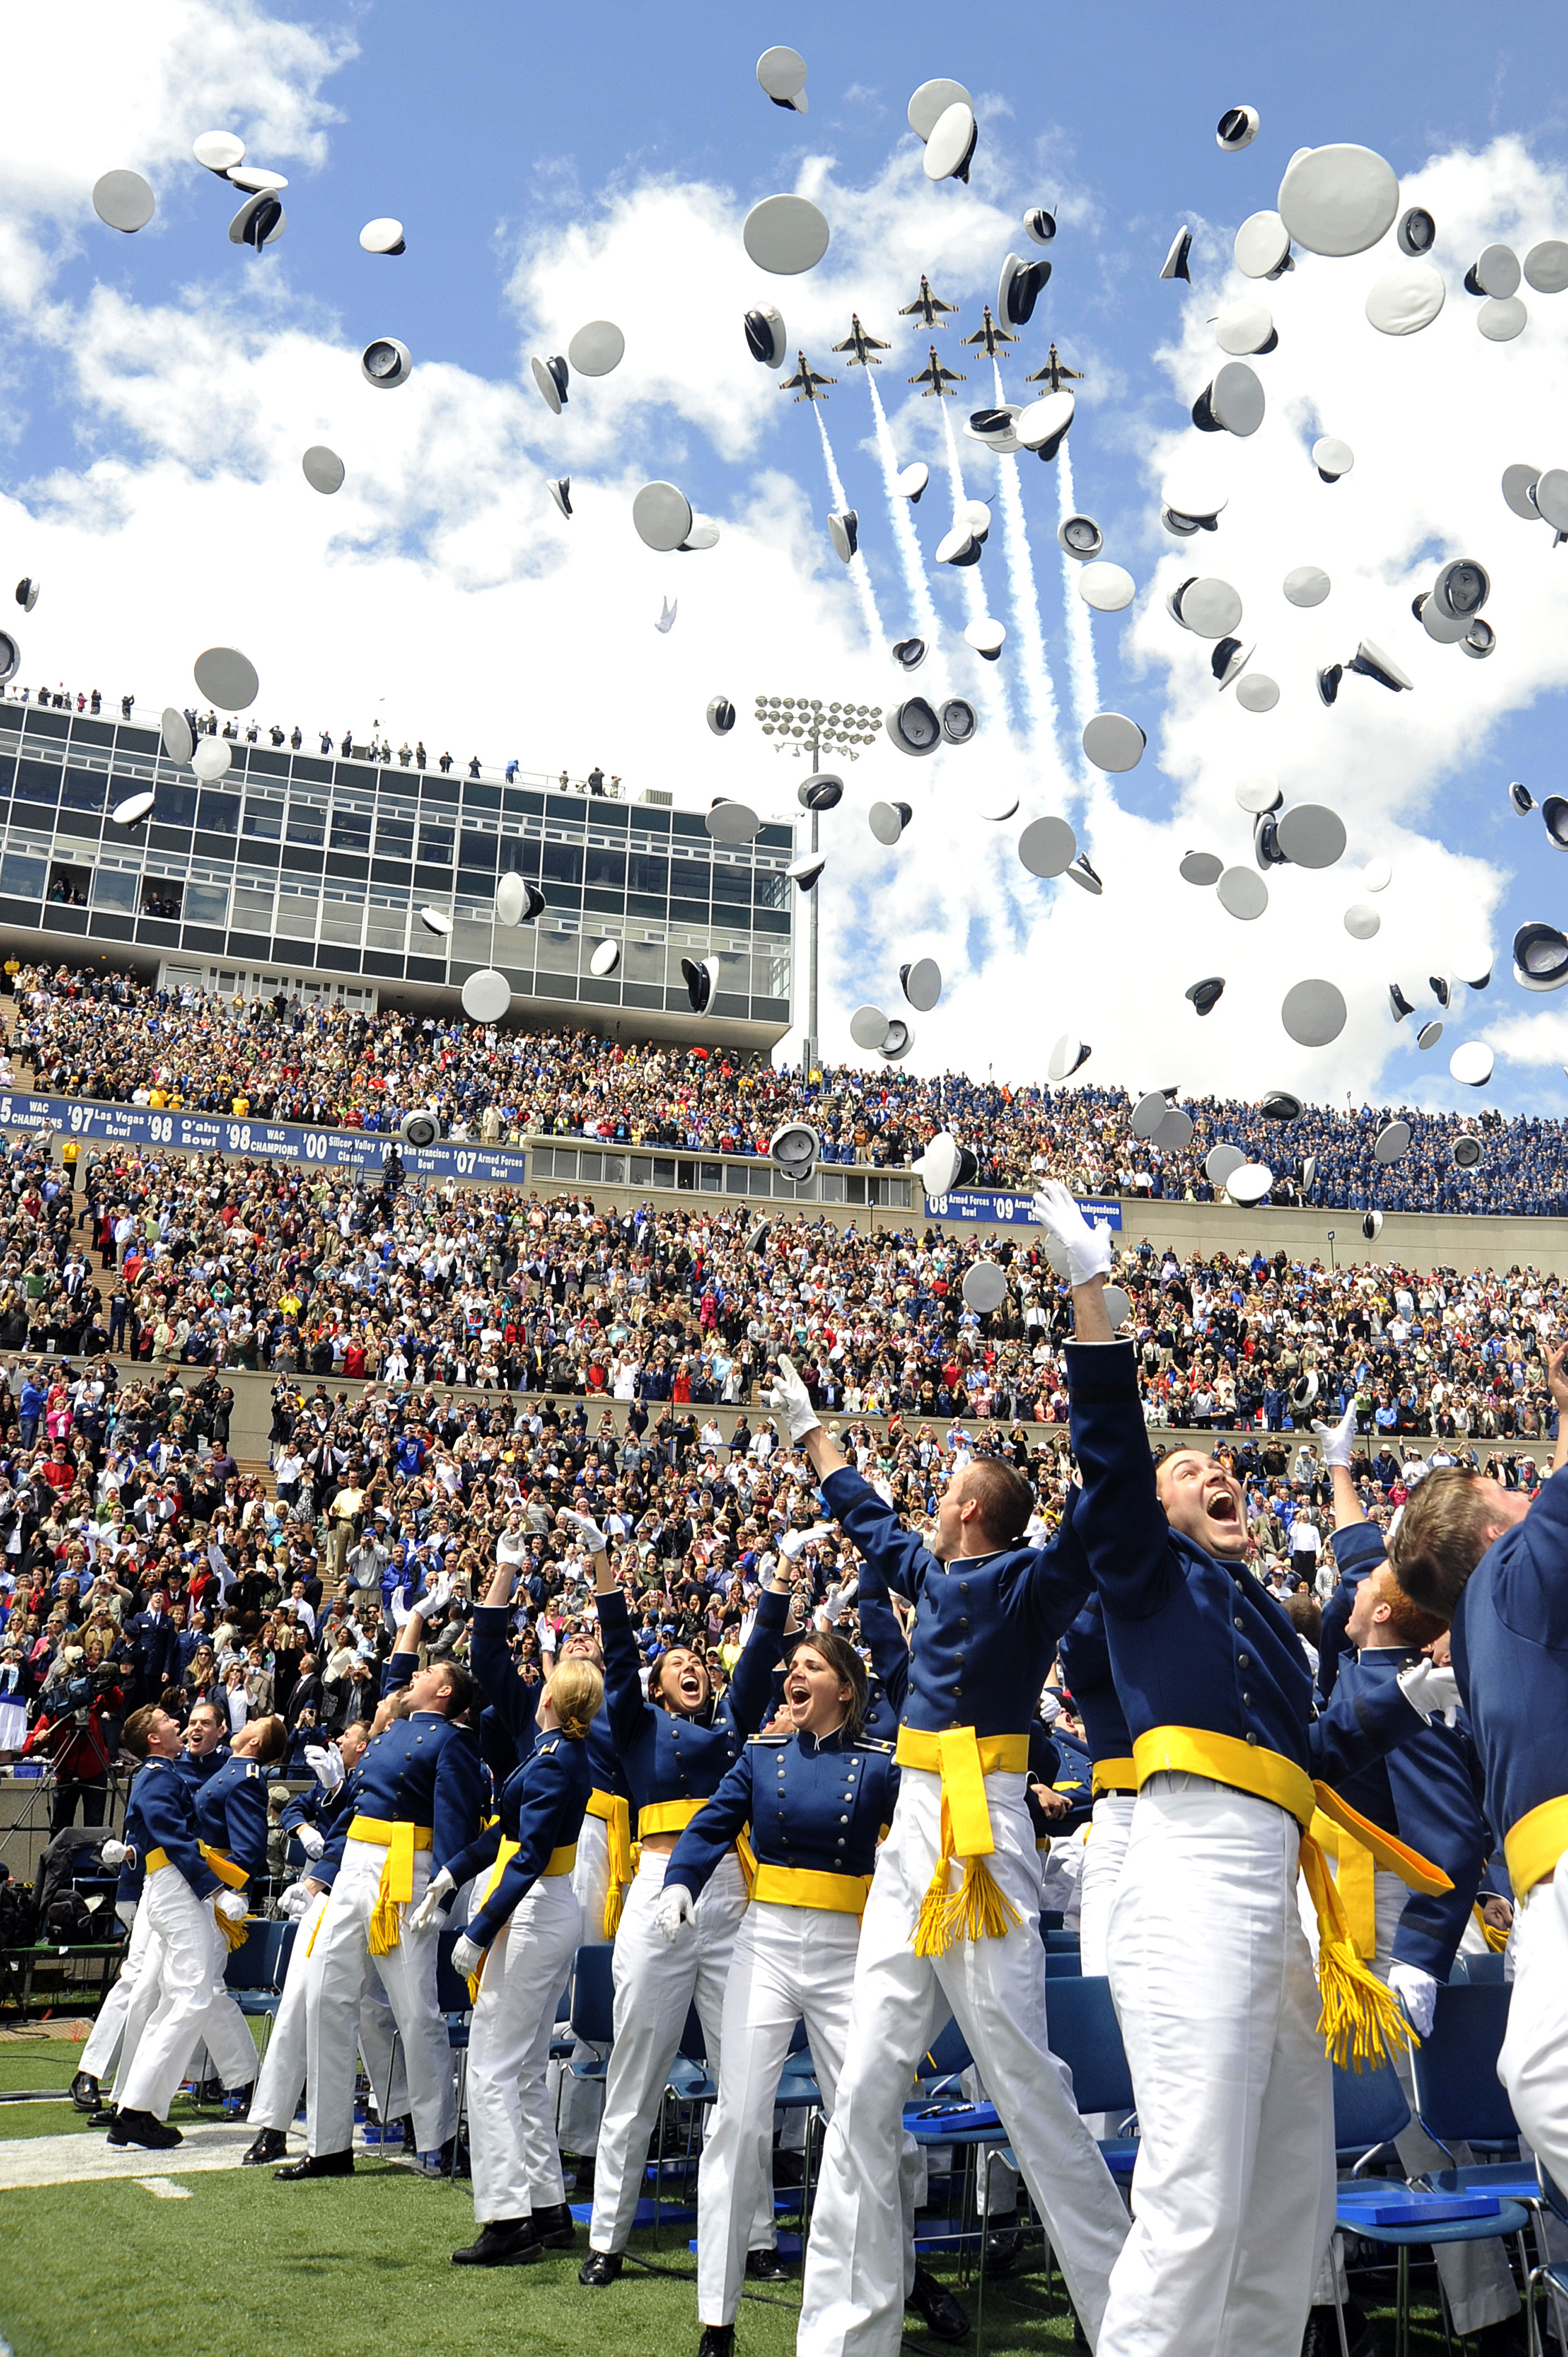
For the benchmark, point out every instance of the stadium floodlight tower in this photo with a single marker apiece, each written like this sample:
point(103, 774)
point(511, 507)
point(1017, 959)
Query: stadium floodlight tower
point(801, 724)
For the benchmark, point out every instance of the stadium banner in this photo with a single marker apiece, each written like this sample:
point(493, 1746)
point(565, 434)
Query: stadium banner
point(270, 1141)
point(1013, 1211)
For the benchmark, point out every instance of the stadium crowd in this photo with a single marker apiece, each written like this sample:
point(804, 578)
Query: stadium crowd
point(106, 1034)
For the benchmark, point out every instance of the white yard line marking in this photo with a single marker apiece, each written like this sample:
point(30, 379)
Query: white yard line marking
point(26, 2161)
point(164, 2187)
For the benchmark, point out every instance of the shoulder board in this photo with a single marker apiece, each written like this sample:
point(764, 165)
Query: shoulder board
point(251, 1769)
point(871, 1743)
point(542, 1750)
point(778, 1741)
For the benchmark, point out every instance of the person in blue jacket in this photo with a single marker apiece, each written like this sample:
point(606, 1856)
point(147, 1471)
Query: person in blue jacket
point(1429, 1794)
point(421, 1783)
point(520, 1940)
point(180, 1891)
point(1210, 1966)
point(676, 1746)
point(1493, 1563)
point(989, 1611)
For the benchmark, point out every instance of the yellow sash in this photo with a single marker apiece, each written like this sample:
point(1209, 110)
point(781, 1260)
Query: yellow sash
point(666, 1817)
point(799, 1886)
point(616, 1815)
point(1112, 1776)
point(1534, 1845)
point(978, 1909)
point(1495, 1937)
point(1354, 1879)
point(560, 1861)
point(223, 1867)
point(1359, 2017)
point(396, 1887)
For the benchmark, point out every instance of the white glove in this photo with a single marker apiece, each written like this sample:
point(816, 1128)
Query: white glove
point(1433, 1693)
point(676, 1906)
point(294, 1901)
point(1087, 1249)
point(325, 1762)
point(126, 1911)
point(467, 1955)
point(429, 1912)
point(231, 1903)
point(434, 1600)
point(399, 1611)
point(587, 1530)
point(114, 1853)
point(795, 1543)
point(1417, 1991)
point(791, 1400)
point(1338, 1440)
point(311, 1839)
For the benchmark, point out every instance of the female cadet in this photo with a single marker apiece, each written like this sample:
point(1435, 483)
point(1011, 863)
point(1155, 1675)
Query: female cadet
point(521, 1939)
point(676, 1749)
point(818, 1794)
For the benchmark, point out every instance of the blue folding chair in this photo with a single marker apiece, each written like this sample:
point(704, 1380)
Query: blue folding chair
point(1459, 2098)
point(1477, 1971)
point(1084, 2033)
point(452, 1998)
point(254, 1973)
point(1546, 2275)
point(593, 2004)
point(1370, 2110)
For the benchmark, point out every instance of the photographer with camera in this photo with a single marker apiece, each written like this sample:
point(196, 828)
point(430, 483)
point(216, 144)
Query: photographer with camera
point(81, 1691)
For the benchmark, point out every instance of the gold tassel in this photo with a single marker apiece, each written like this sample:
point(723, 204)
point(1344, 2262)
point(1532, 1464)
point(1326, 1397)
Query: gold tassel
point(386, 1918)
point(979, 1910)
point(236, 1934)
point(615, 1908)
point(933, 1934)
point(1361, 2019)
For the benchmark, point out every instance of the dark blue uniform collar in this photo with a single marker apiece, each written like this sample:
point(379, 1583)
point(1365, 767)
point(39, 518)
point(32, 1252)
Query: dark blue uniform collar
point(839, 1740)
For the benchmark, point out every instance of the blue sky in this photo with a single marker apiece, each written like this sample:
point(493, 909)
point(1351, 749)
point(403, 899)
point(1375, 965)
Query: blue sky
point(552, 165)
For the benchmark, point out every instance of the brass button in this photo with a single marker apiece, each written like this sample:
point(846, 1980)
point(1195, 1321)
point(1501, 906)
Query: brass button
point(1250, 1736)
point(1240, 1623)
point(1244, 1662)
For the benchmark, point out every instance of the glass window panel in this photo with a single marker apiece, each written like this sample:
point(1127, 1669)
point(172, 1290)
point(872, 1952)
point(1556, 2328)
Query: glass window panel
point(386, 928)
point(563, 863)
point(647, 874)
point(253, 912)
point(37, 781)
point(306, 825)
point(732, 889)
point(296, 917)
point(175, 806)
point(219, 814)
point(643, 962)
point(394, 838)
point(689, 879)
point(472, 943)
point(557, 952)
point(113, 888)
point(436, 842)
point(83, 791)
point(478, 850)
point(161, 896)
point(770, 976)
point(206, 904)
point(342, 921)
point(350, 831)
point(264, 821)
point(770, 890)
point(606, 868)
point(22, 878)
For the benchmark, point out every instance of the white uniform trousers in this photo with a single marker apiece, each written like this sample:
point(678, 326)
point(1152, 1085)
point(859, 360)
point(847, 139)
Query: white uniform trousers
point(103, 2039)
point(223, 2031)
point(515, 2158)
point(179, 1969)
point(854, 2293)
point(1533, 2064)
point(1109, 1829)
point(333, 1996)
point(581, 2101)
point(790, 1964)
point(1213, 1982)
point(280, 2084)
point(655, 1985)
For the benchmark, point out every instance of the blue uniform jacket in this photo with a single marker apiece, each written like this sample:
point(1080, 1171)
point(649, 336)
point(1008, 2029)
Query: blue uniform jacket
point(1194, 1641)
point(542, 1807)
point(986, 1626)
point(1511, 1655)
point(1086, 1666)
point(194, 1773)
point(232, 1814)
point(1358, 1548)
point(161, 1814)
point(888, 1689)
point(424, 1771)
point(822, 1806)
point(666, 1757)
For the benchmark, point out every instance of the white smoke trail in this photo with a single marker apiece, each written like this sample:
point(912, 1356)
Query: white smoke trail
point(988, 696)
point(859, 575)
point(1081, 672)
point(1040, 691)
point(921, 605)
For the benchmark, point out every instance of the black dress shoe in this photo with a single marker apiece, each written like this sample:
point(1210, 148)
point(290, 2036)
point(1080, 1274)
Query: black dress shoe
point(140, 2127)
point(717, 2341)
point(788, 2170)
point(102, 2118)
point(1002, 2241)
point(316, 2164)
point(555, 2227)
point(582, 2176)
point(503, 2242)
point(942, 2313)
point(84, 2091)
point(271, 2144)
point(600, 2267)
point(767, 2266)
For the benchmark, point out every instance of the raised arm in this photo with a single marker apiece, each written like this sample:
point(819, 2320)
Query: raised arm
point(885, 1640)
point(459, 1796)
point(751, 1685)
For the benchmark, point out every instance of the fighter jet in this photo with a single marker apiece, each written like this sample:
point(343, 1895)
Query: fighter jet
point(937, 379)
point(992, 336)
point(861, 346)
point(808, 379)
point(1055, 372)
point(927, 305)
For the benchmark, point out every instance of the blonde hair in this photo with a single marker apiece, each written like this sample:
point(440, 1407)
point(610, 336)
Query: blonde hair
point(576, 1690)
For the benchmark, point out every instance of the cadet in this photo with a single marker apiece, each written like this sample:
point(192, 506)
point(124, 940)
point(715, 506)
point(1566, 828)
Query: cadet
point(1209, 1964)
point(990, 1612)
point(420, 1786)
point(160, 1833)
point(519, 1940)
point(676, 1749)
point(1086, 1666)
point(1495, 1563)
point(232, 1824)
